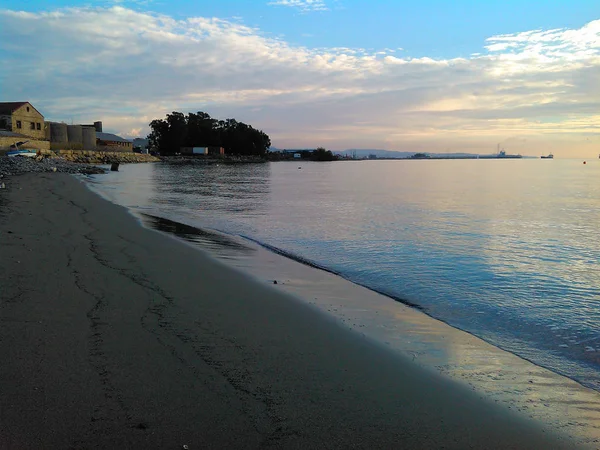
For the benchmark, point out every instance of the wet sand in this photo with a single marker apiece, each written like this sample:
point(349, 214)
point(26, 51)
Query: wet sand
point(558, 402)
point(116, 336)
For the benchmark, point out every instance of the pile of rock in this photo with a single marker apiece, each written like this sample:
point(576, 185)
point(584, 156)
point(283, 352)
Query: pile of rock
point(97, 157)
point(20, 164)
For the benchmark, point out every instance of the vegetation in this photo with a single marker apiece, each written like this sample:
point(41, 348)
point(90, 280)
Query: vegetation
point(200, 130)
point(320, 154)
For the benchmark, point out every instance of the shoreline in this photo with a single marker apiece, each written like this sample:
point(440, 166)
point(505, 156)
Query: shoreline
point(512, 380)
point(119, 336)
point(561, 401)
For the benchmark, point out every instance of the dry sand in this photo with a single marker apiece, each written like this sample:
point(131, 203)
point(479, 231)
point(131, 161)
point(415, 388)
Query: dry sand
point(114, 336)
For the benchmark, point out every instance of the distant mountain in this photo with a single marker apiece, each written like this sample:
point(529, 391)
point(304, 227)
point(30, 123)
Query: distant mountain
point(365, 152)
point(361, 153)
point(140, 142)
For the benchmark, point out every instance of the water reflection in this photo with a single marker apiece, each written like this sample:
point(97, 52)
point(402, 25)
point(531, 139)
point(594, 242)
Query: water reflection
point(558, 402)
point(217, 243)
point(237, 188)
point(503, 249)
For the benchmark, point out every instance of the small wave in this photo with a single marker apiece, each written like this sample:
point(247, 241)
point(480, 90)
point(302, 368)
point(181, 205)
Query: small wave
point(315, 265)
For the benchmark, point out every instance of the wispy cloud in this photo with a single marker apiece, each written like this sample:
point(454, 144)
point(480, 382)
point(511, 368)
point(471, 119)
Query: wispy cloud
point(302, 5)
point(127, 67)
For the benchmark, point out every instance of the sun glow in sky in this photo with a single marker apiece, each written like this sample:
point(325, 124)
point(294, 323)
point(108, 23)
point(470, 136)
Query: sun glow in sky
point(431, 75)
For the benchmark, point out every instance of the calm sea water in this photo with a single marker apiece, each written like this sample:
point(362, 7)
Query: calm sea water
point(508, 250)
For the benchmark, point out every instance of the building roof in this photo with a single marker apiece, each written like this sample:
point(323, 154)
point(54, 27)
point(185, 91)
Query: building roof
point(9, 107)
point(110, 137)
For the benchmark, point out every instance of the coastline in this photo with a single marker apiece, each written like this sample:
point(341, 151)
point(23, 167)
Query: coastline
point(119, 336)
point(498, 374)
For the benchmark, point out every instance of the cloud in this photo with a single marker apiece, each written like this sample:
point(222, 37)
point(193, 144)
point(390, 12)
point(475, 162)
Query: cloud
point(302, 5)
point(128, 67)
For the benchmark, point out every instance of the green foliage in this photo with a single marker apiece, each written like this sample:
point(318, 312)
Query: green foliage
point(200, 130)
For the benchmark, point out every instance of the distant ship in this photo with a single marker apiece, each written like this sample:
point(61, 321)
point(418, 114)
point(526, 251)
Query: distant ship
point(502, 154)
point(550, 156)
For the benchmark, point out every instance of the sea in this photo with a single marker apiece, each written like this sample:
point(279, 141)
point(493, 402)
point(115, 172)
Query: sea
point(506, 250)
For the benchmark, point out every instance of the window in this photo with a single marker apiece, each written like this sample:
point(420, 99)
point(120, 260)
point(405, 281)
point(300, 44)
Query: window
point(32, 125)
point(38, 126)
point(28, 109)
point(18, 124)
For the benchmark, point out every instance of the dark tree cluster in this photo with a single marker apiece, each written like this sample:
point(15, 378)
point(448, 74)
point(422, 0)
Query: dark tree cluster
point(200, 130)
point(320, 154)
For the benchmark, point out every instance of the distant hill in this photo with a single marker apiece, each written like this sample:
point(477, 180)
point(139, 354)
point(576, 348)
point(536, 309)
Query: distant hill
point(360, 153)
point(140, 142)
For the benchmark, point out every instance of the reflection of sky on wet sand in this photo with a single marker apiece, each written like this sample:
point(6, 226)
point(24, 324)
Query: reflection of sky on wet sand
point(502, 376)
point(556, 401)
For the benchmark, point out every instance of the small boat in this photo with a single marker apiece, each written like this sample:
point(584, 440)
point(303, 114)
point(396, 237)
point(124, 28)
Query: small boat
point(550, 156)
point(27, 153)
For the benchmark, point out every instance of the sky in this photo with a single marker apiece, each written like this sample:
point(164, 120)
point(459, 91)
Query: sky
point(428, 75)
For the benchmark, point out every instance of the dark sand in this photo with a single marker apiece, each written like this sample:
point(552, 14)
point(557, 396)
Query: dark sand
point(114, 336)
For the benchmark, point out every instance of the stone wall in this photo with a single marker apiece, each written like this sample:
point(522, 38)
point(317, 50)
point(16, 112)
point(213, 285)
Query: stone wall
point(6, 142)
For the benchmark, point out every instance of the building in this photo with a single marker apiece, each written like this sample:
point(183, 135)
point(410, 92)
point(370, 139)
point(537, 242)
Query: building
point(216, 151)
point(22, 118)
point(21, 124)
point(202, 150)
point(112, 143)
point(193, 150)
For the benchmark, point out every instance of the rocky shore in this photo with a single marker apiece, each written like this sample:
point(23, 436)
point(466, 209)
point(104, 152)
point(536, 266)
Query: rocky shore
point(98, 157)
point(84, 162)
point(19, 165)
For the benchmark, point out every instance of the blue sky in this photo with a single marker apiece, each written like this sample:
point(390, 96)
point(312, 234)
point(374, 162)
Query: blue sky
point(435, 28)
point(439, 75)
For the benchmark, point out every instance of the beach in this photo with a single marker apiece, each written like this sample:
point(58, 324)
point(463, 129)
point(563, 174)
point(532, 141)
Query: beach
point(114, 335)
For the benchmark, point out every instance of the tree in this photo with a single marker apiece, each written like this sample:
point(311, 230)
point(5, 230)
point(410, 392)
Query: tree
point(320, 154)
point(201, 130)
point(178, 131)
point(158, 135)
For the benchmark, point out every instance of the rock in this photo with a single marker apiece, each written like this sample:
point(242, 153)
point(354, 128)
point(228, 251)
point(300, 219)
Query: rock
point(68, 162)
